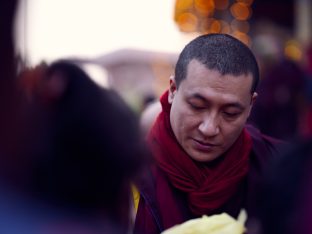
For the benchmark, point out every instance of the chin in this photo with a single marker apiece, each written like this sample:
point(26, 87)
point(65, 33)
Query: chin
point(204, 158)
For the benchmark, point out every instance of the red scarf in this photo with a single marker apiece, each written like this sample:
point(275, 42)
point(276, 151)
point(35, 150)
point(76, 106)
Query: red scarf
point(207, 187)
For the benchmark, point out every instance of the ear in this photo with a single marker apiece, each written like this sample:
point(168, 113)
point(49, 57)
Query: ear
point(252, 101)
point(253, 98)
point(172, 89)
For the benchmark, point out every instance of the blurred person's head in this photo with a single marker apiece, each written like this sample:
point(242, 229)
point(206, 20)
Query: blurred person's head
point(281, 101)
point(211, 94)
point(84, 145)
point(268, 50)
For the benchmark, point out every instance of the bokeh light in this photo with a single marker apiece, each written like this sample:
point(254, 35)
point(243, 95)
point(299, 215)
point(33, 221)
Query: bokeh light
point(215, 26)
point(183, 4)
point(240, 11)
point(215, 16)
point(292, 50)
point(187, 22)
point(204, 7)
point(246, 2)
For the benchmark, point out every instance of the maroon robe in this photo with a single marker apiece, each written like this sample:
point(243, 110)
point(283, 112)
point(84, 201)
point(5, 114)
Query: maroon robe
point(150, 218)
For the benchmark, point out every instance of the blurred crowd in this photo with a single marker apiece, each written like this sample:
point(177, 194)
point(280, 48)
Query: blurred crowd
point(283, 108)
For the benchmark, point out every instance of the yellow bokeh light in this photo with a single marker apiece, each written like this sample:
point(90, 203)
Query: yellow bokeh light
point(293, 51)
point(204, 7)
point(221, 4)
point(240, 11)
point(187, 22)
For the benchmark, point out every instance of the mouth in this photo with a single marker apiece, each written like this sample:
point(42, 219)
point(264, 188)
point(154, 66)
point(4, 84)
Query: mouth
point(204, 146)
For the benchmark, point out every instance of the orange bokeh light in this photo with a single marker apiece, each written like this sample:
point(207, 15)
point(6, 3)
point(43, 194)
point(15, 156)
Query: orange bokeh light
point(204, 7)
point(246, 2)
point(215, 26)
point(187, 22)
point(240, 11)
point(199, 16)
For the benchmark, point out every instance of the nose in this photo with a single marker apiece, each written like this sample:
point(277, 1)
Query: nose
point(209, 125)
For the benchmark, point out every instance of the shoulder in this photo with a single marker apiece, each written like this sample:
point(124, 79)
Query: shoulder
point(260, 139)
point(265, 147)
point(148, 217)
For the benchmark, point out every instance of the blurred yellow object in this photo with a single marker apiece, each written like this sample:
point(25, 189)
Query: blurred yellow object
point(215, 224)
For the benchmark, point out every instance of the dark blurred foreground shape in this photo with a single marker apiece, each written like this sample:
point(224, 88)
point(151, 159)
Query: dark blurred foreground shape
point(7, 71)
point(78, 148)
point(68, 148)
point(285, 204)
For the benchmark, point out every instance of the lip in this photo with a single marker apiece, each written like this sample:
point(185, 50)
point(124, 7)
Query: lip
point(204, 146)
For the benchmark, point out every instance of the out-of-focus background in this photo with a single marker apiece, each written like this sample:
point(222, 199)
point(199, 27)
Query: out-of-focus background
point(132, 46)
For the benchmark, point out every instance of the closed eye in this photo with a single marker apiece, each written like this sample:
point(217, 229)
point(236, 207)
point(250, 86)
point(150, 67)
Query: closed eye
point(231, 114)
point(196, 107)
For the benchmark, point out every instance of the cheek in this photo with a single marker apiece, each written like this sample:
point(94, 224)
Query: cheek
point(188, 124)
point(182, 122)
point(232, 130)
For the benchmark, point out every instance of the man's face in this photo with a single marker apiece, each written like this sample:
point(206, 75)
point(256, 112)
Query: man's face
point(209, 110)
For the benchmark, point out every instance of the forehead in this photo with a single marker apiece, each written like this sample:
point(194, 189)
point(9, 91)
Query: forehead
point(205, 82)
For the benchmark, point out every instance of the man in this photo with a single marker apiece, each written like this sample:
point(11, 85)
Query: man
point(207, 160)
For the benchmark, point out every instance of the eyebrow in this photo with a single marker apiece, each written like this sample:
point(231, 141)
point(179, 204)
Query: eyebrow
point(228, 105)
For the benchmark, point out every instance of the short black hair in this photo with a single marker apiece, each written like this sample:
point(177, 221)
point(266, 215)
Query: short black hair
point(220, 52)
